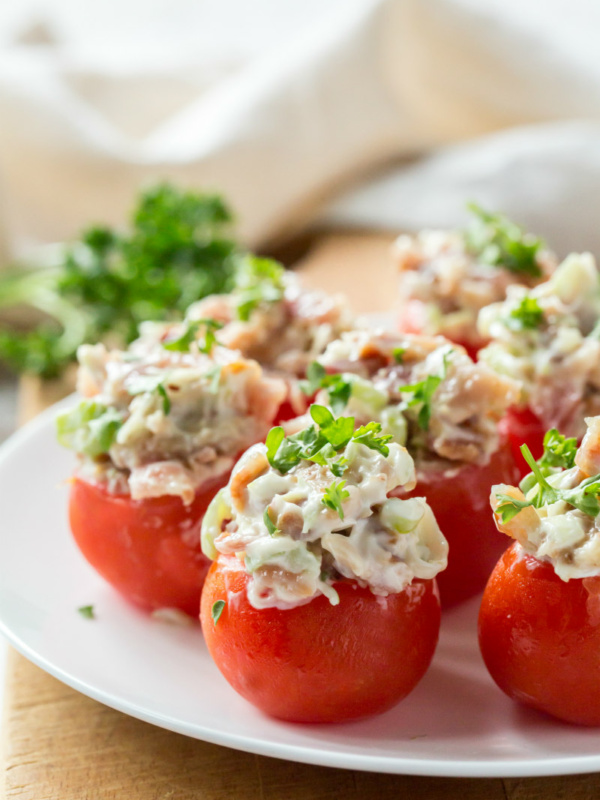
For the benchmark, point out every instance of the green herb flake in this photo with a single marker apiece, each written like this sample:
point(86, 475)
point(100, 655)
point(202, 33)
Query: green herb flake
point(422, 396)
point(151, 383)
point(90, 428)
point(398, 353)
point(496, 240)
point(217, 610)
point(271, 527)
point(509, 506)
point(527, 316)
point(334, 496)
point(190, 334)
point(87, 612)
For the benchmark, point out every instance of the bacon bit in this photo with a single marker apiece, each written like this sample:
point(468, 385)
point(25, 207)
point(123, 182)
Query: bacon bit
point(250, 469)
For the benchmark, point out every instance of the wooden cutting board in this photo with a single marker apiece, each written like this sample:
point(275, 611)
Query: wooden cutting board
point(59, 745)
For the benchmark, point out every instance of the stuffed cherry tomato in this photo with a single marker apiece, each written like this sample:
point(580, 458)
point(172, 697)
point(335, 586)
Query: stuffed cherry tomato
point(539, 623)
point(156, 439)
point(149, 549)
point(446, 277)
point(320, 662)
point(430, 396)
point(546, 339)
point(322, 604)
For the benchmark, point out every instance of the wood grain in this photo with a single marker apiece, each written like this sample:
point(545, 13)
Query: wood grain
point(59, 745)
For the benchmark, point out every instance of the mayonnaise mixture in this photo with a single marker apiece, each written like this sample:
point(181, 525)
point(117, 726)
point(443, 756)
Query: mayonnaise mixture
point(547, 340)
point(301, 529)
point(443, 285)
point(160, 422)
point(555, 531)
point(453, 408)
point(269, 317)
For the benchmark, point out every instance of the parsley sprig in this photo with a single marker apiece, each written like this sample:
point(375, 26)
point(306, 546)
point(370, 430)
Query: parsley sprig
point(190, 335)
point(540, 492)
point(258, 280)
point(323, 442)
point(527, 316)
point(496, 240)
point(334, 496)
point(337, 386)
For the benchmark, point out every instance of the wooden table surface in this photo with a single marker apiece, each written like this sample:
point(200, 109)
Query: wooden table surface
point(59, 745)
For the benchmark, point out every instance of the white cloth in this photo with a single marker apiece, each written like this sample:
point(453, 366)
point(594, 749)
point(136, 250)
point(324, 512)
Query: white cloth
point(281, 129)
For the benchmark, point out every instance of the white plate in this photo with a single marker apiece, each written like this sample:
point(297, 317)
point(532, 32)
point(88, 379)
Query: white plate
point(456, 723)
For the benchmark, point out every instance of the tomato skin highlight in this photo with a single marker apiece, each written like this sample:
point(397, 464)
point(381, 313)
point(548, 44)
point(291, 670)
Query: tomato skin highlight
point(148, 550)
point(460, 501)
point(318, 662)
point(522, 426)
point(540, 638)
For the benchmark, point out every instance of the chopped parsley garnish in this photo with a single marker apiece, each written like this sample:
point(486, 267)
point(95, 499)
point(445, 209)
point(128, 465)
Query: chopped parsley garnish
point(540, 493)
point(398, 353)
point(151, 383)
point(334, 496)
point(190, 334)
point(527, 316)
point(271, 527)
point(258, 280)
point(371, 436)
point(496, 240)
point(422, 395)
point(559, 451)
point(217, 610)
point(87, 612)
point(322, 442)
point(337, 386)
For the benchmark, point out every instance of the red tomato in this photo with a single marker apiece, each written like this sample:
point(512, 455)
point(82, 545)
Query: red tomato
point(522, 426)
point(460, 500)
point(413, 319)
point(149, 550)
point(540, 638)
point(318, 662)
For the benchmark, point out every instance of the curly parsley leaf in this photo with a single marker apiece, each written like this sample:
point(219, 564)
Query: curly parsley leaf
point(334, 496)
point(422, 395)
point(190, 334)
point(559, 451)
point(370, 435)
point(540, 492)
point(337, 386)
point(509, 506)
point(527, 316)
point(217, 610)
point(496, 240)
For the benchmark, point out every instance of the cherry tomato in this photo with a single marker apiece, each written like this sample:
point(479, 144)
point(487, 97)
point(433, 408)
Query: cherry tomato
point(413, 319)
point(318, 662)
point(522, 426)
point(149, 550)
point(540, 638)
point(460, 500)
